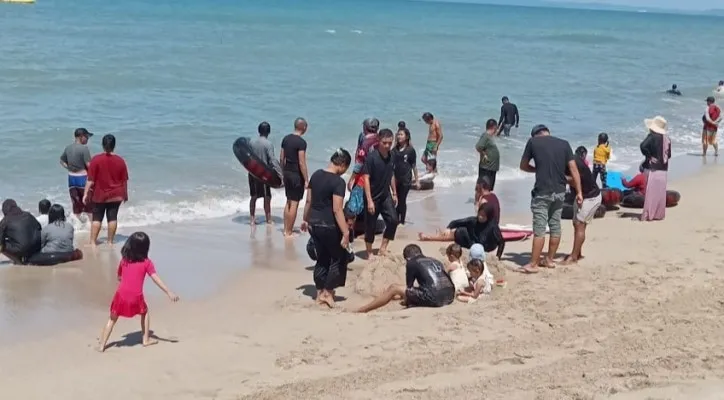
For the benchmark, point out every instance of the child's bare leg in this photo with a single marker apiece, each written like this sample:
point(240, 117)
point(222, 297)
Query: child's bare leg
point(106, 333)
point(386, 297)
point(464, 297)
point(445, 235)
point(146, 330)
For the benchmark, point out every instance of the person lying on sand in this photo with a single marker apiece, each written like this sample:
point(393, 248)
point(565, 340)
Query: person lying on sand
point(480, 228)
point(435, 289)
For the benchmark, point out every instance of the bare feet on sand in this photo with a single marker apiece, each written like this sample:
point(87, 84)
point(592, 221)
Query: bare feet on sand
point(150, 342)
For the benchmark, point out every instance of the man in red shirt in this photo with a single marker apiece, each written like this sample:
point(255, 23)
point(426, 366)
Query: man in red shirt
point(711, 119)
point(106, 188)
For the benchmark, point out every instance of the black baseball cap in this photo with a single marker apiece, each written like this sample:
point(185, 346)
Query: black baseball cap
point(710, 99)
point(82, 132)
point(537, 129)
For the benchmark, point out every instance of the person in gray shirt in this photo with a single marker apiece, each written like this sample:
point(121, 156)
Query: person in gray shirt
point(76, 158)
point(262, 148)
point(57, 236)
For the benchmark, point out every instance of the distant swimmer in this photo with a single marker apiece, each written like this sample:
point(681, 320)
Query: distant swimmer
point(434, 140)
point(674, 91)
point(508, 116)
point(720, 89)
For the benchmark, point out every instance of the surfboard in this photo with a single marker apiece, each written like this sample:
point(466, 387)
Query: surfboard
point(256, 167)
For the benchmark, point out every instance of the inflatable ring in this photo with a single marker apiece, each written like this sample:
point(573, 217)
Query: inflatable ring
point(636, 199)
point(359, 227)
point(256, 167)
point(567, 212)
point(427, 184)
point(312, 252)
point(611, 197)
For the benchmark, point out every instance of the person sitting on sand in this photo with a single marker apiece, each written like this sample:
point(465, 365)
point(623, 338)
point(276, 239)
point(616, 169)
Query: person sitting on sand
point(57, 235)
point(637, 183)
point(19, 233)
point(487, 196)
point(43, 210)
point(435, 289)
point(480, 228)
point(455, 269)
point(482, 281)
point(129, 300)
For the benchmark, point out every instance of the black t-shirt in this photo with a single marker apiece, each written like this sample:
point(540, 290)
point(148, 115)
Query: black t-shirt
point(486, 233)
point(509, 114)
point(493, 199)
point(380, 170)
point(551, 156)
point(589, 187)
point(292, 144)
point(20, 234)
point(404, 162)
point(428, 272)
point(324, 185)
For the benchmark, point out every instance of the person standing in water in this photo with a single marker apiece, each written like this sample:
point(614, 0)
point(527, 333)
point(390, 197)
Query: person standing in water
point(404, 159)
point(264, 150)
point(674, 91)
point(293, 159)
point(489, 157)
point(434, 140)
point(75, 159)
point(107, 188)
point(508, 116)
point(712, 117)
point(324, 219)
point(380, 193)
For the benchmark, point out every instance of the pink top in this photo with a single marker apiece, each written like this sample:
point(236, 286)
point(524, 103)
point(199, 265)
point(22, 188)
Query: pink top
point(132, 275)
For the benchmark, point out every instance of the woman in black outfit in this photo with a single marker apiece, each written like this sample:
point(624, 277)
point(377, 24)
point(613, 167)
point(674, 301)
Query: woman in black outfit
point(403, 160)
point(325, 221)
point(480, 228)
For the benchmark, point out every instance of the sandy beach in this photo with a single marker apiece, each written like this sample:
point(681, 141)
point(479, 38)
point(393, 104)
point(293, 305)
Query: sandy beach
point(639, 318)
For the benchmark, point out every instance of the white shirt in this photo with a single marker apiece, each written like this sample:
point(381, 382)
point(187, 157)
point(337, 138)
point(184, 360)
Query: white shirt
point(43, 219)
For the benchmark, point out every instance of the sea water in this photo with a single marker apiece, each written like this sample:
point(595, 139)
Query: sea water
point(178, 81)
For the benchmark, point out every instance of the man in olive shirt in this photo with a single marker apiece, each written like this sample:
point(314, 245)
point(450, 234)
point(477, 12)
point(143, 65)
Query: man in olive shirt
point(489, 157)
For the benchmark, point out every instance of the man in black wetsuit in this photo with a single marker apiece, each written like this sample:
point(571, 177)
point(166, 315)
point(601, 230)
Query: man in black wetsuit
point(435, 289)
point(19, 233)
point(508, 116)
point(674, 90)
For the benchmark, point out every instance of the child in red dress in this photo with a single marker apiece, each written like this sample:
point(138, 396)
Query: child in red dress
point(128, 300)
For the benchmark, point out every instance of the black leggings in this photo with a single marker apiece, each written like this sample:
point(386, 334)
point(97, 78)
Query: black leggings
point(600, 169)
point(402, 191)
point(330, 272)
point(386, 208)
point(109, 210)
point(54, 258)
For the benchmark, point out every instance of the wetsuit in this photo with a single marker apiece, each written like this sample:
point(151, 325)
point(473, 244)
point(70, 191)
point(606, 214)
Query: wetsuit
point(435, 289)
point(20, 235)
point(508, 117)
point(293, 179)
point(380, 171)
point(404, 163)
point(469, 231)
point(674, 92)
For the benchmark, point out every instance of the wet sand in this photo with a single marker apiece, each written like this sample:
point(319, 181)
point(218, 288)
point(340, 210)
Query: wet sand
point(638, 318)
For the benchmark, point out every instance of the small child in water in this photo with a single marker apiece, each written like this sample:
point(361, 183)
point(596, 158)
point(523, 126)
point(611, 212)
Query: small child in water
point(455, 269)
point(601, 155)
point(128, 300)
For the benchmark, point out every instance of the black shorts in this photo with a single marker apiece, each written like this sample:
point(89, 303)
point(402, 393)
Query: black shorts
point(482, 172)
point(428, 297)
point(258, 188)
point(109, 210)
point(293, 185)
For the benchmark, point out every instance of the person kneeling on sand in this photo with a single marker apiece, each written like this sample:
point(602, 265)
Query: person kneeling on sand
point(481, 228)
point(435, 289)
point(480, 276)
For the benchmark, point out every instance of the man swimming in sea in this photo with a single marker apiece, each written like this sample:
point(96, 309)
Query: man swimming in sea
point(434, 140)
point(674, 90)
point(434, 286)
point(508, 116)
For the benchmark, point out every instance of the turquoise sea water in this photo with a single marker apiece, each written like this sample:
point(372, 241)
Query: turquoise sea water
point(178, 81)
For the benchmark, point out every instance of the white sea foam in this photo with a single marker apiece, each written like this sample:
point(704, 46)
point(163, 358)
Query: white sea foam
point(331, 31)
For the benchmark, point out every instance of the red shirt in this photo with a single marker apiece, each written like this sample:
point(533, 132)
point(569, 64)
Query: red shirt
point(132, 275)
point(714, 113)
point(638, 183)
point(109, 175)
point(369, 143)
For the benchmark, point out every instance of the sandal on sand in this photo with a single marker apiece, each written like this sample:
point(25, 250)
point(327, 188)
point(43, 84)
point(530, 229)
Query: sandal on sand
point(528, 269)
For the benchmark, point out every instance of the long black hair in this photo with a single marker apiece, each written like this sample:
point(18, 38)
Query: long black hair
point(56, 214)
point(407, 137)
point(136, 247)
point(109, 143)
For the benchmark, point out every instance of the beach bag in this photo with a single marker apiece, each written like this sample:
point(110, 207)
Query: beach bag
point(356, 202)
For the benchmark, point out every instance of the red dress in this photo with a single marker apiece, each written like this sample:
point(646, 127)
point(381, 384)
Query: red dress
point(128, 300)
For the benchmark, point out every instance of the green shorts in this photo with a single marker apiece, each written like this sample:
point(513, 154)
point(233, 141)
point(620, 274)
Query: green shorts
point(430, 150)
point(546, 210)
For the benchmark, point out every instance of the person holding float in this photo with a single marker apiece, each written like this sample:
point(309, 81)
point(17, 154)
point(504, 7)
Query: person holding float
point(325, 221)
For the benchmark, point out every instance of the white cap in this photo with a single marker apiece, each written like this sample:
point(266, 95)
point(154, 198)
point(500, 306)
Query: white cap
point(477, 252)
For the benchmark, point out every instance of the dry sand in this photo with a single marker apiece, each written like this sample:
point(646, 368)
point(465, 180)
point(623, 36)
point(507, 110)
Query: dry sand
point(639, 318)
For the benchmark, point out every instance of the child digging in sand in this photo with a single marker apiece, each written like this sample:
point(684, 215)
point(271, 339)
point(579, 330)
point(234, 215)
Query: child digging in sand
point(480, 275)
point(455, 269)
point(128, 300)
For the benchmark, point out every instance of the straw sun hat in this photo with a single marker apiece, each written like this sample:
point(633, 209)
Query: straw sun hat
point(656, 124)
